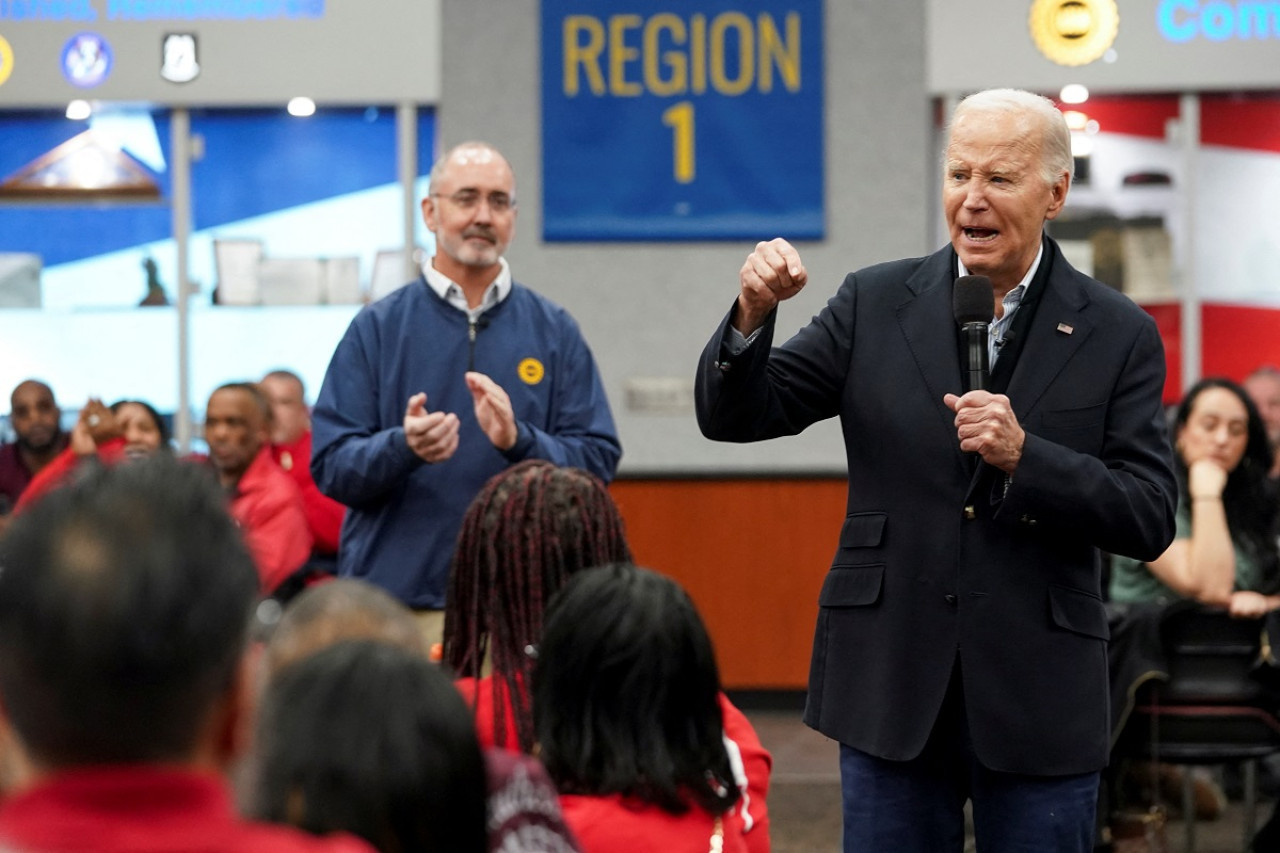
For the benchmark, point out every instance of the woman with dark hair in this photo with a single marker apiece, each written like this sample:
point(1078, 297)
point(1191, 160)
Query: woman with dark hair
point(528, 530)
point(627, 712)
point(127, 429)
point(1223, 555)
point(1224, 552)
point(370, 739)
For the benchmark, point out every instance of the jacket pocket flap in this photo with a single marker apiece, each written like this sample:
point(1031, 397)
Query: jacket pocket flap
point(862, 530)
point(1079, 611)
point(851, 586)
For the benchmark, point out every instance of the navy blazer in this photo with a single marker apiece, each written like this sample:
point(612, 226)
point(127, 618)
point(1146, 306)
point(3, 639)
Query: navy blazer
point(937, 557)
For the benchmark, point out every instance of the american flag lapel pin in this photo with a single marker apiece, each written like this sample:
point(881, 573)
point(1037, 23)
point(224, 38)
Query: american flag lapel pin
point(1065, 329)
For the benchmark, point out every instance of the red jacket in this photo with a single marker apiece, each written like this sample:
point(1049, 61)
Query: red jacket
point(614, 825)
point(752, 763)
point(266, 504)
point(60, 469)
point(268, 508)
point(324, 514)
point(141, 809)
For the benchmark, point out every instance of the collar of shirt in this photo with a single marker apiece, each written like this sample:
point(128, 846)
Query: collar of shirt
point(1011, 301)
point(450, 292)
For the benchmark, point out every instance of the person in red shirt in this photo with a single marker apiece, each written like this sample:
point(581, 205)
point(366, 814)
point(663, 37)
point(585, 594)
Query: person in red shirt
point(264, 500)
point(124, 608)
point(529, 529)
point(291, 448)
point(627, 709)
point(127, 429)
point(524, 807)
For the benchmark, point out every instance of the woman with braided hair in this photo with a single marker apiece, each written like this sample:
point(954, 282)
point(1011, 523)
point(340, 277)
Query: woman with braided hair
point(528, 530)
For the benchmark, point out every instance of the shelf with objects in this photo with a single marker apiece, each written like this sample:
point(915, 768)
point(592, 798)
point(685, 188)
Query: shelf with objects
point(290, 225)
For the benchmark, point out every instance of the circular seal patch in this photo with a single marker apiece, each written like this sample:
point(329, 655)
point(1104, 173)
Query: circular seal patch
point(530, 371)
point(1073, 32)
point(86, 60)
point(6, 60)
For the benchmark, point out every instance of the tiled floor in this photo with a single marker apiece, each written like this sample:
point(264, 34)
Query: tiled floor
point(804, 796)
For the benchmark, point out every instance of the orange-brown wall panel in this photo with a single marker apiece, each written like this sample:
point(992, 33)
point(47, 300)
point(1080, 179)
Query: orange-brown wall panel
point(752, 554)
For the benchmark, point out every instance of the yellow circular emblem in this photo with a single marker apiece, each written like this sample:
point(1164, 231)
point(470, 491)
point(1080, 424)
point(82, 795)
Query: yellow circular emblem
point(531, 371)
point(1074, 32)
point(6, 60)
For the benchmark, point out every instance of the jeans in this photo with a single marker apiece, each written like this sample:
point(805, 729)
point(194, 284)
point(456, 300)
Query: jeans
point(917, 806)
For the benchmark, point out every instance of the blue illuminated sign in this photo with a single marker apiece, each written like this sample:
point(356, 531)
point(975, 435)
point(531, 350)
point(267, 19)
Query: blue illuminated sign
point(701, 123)
point(158, 10)
point(1217, 20)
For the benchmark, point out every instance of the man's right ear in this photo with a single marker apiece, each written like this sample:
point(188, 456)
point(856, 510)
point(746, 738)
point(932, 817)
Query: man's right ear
point(429, 213)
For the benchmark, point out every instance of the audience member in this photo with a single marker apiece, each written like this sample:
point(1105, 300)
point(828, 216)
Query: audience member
point(291, 448)
point(628, 718)
point(1223, 554)
point(528, 530)
point(124, 607)
point(1224, 550)
point(34, 416)
point(443, 383)
point(263, 498)
point(369, 738)
point(127, 429)
point(1263, 387)
point(344, 609)
point(524, 812)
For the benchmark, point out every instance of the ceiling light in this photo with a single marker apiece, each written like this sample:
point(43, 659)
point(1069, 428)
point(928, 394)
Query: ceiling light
point(1073, 93)
point(301, 107)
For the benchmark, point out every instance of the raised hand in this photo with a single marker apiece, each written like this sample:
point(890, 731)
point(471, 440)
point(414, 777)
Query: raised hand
point(772, 273)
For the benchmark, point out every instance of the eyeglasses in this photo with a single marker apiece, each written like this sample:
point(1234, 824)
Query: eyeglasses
point(470, 199)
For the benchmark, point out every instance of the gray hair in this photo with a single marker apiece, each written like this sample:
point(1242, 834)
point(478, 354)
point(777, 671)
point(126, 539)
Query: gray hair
point(1055, 136)
point(442, 163)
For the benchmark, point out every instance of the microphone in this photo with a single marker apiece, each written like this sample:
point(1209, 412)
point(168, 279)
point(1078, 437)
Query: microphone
point(972, 302)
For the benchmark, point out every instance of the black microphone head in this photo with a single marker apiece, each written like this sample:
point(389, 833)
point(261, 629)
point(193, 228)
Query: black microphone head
point(973, 299)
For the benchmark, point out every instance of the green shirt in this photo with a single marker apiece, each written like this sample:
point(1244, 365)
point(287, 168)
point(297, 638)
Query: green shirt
point(1133, 583)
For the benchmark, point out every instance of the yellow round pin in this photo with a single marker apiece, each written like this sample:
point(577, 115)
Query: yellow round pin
point(531, 371)
point(1074, 32)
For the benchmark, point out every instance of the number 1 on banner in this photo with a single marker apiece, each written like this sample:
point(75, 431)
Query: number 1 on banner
point(679, 117)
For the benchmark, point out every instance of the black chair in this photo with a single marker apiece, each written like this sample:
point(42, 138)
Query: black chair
point(1214, 707)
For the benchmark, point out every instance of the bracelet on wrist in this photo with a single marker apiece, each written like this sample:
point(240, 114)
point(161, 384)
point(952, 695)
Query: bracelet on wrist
point(1206, 497)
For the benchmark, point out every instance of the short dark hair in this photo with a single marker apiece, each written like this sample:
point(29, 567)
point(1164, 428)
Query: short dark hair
point(254, 391)
point(125, 600)
point(374, 740)
point(626, 694)
point(529, 529)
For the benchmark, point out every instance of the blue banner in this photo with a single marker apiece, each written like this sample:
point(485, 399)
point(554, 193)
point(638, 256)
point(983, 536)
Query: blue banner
point(698, 124)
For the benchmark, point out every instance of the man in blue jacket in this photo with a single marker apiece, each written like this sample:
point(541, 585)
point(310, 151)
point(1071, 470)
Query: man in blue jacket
point(444, 383)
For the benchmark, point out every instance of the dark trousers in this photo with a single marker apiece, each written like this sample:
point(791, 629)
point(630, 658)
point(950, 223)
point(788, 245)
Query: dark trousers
point(917, 806)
